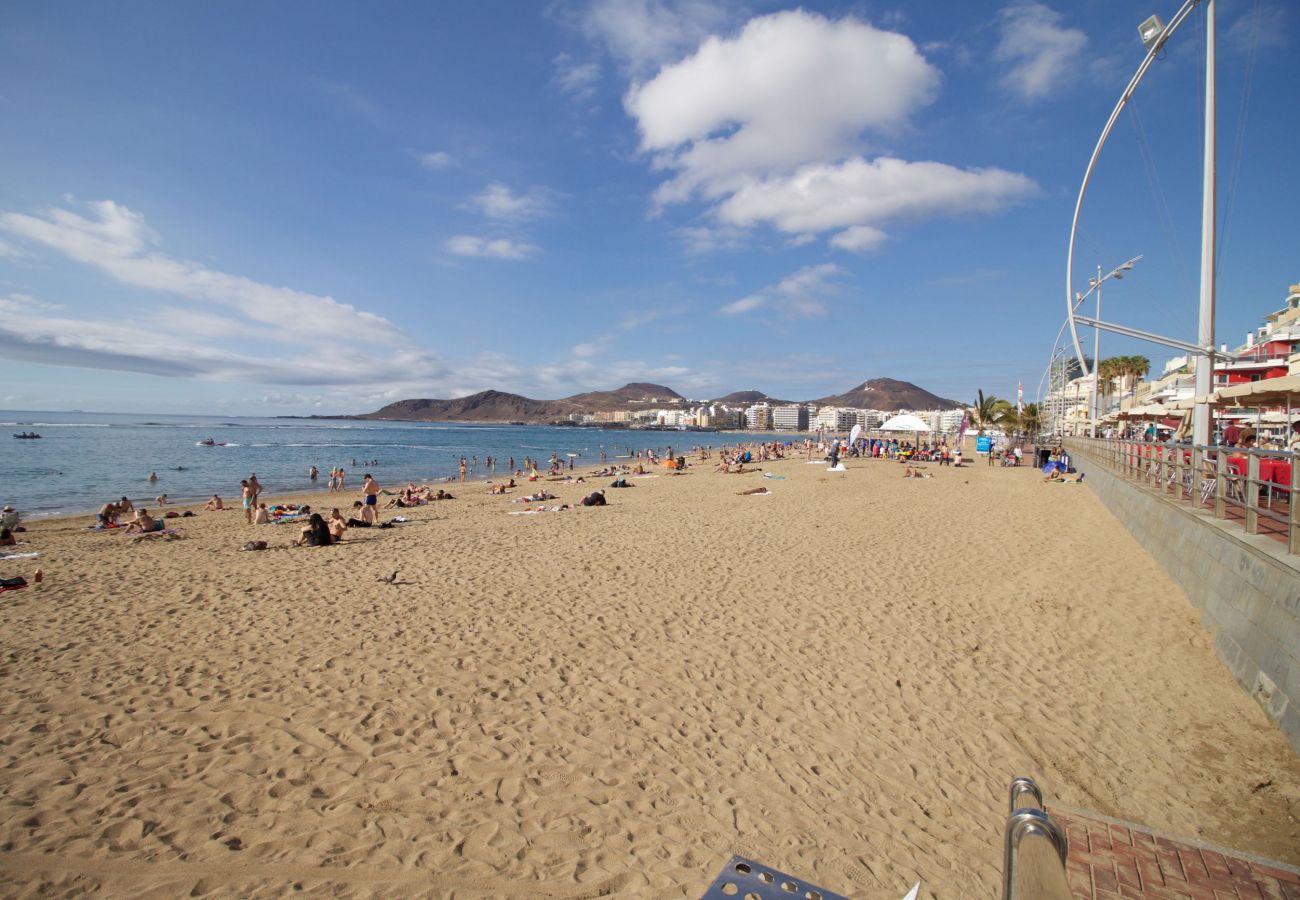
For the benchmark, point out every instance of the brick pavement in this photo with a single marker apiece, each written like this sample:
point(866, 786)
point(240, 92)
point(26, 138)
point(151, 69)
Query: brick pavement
point(1111, 859)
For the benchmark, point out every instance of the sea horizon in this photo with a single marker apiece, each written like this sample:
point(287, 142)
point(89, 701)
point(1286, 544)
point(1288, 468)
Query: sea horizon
point(84, 459)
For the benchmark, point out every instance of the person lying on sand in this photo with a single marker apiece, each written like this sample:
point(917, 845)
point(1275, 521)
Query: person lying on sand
point(536, 498)
point(1060, 478)
point(752, 491)
point(596, 498)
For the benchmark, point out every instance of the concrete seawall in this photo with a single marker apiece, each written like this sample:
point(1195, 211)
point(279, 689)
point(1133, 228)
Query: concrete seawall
point(1246, 587)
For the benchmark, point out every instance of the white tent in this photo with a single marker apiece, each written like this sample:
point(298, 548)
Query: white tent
point(905, 422)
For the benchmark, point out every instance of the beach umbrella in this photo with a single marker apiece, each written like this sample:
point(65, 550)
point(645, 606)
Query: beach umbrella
point(905, 422)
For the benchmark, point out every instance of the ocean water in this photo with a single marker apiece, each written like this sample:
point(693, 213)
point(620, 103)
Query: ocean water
point(85, 459)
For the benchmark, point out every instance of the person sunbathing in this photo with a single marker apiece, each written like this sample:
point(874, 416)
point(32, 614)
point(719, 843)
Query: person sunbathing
point(752, 492)
point(338, 525)
point(214, 504)
point(143, 523)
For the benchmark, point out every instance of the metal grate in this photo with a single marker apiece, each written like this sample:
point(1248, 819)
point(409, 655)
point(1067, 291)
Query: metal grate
point(744, 879)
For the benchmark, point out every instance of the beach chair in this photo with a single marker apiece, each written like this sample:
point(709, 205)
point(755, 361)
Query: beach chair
point(1209, 480)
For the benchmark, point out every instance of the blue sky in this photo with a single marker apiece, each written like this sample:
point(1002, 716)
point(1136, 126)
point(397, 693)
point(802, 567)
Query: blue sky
point(320, 207)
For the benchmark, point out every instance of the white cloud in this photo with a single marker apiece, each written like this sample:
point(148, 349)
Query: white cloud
point(641, 35)
point(119, 243)
point(303, 338)
point(588, 349)
point(743, 305)
point(767, 127)
point(818, 198)
point(791, 88)
point(1041, 53)
point(489, 248)
point(497, 201)
point(575, 78)
point(1263, 26)
point(859, 239)
point(703, 239)
point(23, 304)
point(801, 294)
point(436, 160)
point(354, 99)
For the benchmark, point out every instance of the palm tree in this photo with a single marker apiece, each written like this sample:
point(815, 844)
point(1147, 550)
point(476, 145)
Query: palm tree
point(1136, 367)
point(1031, 419)
point(1107, 371)
point(987, 410)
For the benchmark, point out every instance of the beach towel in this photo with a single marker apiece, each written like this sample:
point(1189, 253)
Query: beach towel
point(18, 555)
point(774, 477)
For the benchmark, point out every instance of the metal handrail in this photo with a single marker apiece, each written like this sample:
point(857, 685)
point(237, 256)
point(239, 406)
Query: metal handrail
point(1200, 474)
point(1033, 866)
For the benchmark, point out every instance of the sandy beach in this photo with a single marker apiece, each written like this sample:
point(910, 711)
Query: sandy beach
point(839, 679)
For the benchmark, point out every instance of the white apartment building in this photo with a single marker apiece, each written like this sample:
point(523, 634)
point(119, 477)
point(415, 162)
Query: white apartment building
point(837, 418)
point(759, 416)
point(790, 418)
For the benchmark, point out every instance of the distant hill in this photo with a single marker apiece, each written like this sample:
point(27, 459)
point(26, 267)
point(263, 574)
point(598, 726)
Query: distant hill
point(629, 396)
point(888, 393)
point(485, 406)
point(748, 398)
point(498, 406)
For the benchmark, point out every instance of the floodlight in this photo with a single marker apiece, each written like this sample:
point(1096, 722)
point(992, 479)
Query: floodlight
point(1151, 31)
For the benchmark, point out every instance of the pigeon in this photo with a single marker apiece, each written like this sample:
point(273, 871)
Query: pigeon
point(391, 579)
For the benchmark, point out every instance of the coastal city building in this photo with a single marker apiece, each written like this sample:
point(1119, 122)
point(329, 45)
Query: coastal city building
point(790, 418)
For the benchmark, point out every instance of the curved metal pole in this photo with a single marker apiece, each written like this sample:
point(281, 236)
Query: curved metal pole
point(1092, 162)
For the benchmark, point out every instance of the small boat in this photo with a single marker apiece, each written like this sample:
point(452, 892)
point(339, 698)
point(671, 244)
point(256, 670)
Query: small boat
point(210, 442)
point(27, 436)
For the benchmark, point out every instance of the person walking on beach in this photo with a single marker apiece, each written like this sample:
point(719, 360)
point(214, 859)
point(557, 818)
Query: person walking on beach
point(463, 467)
point(343, 477)
point(370, 490)
point(246, 498)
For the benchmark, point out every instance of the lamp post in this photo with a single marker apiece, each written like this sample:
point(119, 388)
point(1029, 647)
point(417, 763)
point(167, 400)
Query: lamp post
point(1095, 287)
point(1155, 34)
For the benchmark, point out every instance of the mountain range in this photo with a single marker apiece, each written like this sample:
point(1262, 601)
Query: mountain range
point(498, 406)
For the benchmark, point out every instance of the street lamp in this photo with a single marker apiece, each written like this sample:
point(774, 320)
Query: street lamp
point(1155, 34)
point(1118, 274)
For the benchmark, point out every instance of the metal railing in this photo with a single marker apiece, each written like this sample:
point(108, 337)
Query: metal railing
point(1035, 849)
point(1258, 488)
